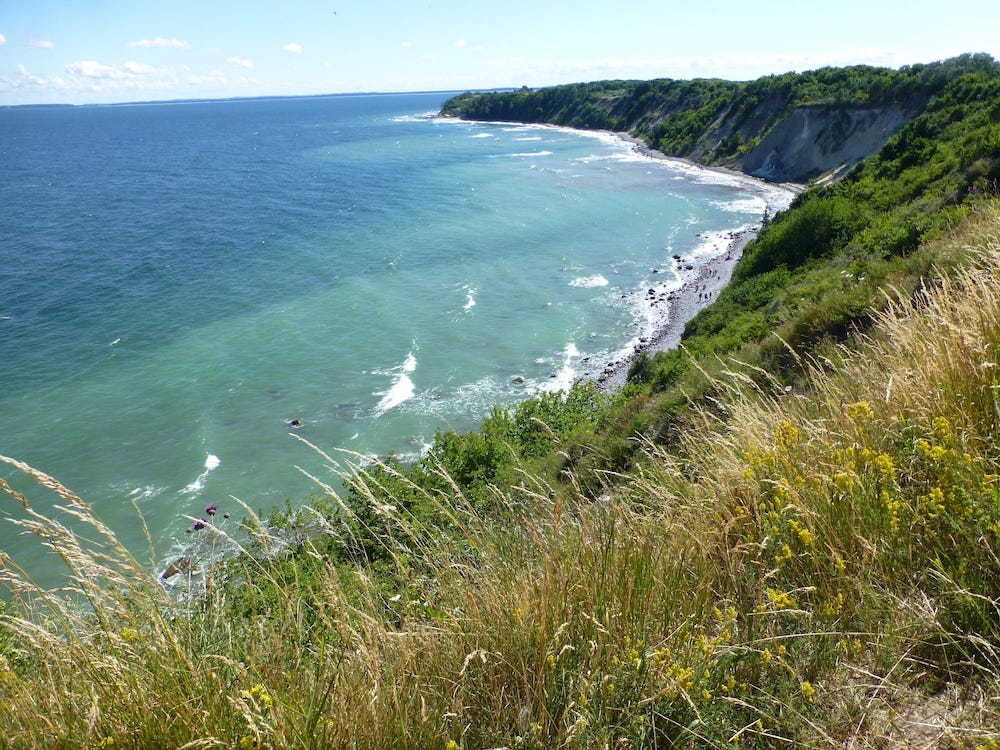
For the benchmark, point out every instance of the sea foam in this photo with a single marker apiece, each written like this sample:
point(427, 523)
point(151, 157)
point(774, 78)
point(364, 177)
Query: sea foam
point(211, 463)
point(563, 380)
point(589, 281)
point(402, 388)
point(749, 205)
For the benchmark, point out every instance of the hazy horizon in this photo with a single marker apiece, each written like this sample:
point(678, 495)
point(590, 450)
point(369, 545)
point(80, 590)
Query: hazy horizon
point(131, 53)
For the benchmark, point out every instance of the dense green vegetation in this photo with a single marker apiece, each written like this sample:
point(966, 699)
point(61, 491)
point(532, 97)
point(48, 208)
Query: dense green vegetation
point(714, 121)
point(784, 533)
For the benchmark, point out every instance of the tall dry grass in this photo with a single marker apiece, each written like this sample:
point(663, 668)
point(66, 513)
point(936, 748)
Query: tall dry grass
point(813, 568)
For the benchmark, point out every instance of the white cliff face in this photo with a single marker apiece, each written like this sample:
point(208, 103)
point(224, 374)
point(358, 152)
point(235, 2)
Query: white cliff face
point(822, 142)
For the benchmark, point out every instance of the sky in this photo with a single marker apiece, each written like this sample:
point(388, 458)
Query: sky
point(103, 51)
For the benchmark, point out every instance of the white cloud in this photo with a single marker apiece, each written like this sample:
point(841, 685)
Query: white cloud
point(212, 78)
point(93, 81)
point(160, 43)
point(3, 39)
point(460, 43)
point(138, 69)
point(42, 44)
point(25, 74)
point(94, 69)
point(100, 71)
point(406, 45)
point(239, 62)
point(24, 81)
point(294, 47)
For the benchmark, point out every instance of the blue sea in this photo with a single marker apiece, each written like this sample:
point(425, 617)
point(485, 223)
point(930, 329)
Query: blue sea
point(180, 282)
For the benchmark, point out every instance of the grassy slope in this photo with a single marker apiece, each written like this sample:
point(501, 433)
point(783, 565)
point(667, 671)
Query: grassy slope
point(816, 563)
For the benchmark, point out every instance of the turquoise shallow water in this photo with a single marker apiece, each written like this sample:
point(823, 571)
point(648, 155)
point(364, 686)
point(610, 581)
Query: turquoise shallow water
point(180, 281)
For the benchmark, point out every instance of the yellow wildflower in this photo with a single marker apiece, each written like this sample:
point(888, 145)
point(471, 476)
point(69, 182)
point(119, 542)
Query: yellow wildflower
point(885, 466)
point(808, 691)
point(452, 745)
point(786, 434)
point(780, 599)
point(834, 607)
point(259, 695)
point(894, 507)
point(934, 502)
point(130, 634)
point(681, 675)
point(662, 655)
point(843, 480)
point(860, 409)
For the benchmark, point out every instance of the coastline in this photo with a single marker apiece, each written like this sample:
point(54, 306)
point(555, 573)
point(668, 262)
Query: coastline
point(701, 279)
point(700, 287)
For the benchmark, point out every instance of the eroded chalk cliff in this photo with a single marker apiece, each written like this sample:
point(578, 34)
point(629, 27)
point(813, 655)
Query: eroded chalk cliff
point(822, 142)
